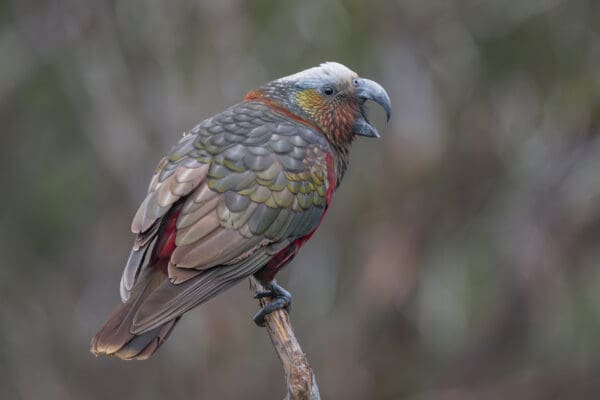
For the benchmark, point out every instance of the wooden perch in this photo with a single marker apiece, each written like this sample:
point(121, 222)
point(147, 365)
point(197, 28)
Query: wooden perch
point(299, 377)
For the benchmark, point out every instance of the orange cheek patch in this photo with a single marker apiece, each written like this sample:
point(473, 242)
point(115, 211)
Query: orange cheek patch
point(310, 100)
point(333, 115)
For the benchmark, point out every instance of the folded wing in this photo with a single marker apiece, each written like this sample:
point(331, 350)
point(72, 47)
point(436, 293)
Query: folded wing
point(248, 182)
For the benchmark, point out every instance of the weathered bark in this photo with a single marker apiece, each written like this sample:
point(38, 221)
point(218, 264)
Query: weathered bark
point(300, 380)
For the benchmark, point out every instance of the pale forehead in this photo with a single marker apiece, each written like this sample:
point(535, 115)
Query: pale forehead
point(326, 72)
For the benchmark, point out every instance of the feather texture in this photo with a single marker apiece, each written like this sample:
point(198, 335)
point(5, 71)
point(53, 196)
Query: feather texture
point(237, 195)
point(247, 183)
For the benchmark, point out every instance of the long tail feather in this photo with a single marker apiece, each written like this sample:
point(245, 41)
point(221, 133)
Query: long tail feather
point(115, 337)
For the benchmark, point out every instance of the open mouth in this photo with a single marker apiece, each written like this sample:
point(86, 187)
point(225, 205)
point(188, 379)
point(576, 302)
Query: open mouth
point(364, 111)
point(370, 90)
point(362, 125)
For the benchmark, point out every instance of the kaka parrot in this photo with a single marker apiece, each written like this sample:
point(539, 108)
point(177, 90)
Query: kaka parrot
point(237, 196)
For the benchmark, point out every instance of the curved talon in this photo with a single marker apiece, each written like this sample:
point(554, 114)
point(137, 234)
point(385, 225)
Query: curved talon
point(262, 295)
point(281, 299)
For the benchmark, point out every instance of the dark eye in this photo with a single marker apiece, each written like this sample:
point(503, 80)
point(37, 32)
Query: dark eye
point(355, 82)
point(328, 91)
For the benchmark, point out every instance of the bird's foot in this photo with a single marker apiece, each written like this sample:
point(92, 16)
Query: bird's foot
point(280, 298)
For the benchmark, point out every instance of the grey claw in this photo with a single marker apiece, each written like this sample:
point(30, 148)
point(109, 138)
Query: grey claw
point(281, 299)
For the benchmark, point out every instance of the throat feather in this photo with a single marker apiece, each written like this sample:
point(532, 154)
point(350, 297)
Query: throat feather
point(334, 120)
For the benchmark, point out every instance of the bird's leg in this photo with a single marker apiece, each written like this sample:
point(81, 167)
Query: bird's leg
point(280, 298)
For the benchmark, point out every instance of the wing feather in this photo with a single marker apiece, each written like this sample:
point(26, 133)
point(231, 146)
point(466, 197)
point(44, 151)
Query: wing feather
point(251, 182)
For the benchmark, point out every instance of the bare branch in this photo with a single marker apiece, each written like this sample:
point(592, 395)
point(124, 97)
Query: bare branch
point(299, 377)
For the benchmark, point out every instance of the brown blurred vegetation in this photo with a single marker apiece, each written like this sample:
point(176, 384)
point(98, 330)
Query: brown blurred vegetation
point(460, 258)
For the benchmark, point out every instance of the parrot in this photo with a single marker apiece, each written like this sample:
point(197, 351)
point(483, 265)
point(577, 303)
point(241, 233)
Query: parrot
point(238, 196)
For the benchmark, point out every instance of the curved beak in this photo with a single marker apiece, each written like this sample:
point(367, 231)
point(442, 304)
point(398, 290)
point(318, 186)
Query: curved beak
point(370, 90)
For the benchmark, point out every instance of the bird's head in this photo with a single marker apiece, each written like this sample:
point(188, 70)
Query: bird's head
point(330, 96)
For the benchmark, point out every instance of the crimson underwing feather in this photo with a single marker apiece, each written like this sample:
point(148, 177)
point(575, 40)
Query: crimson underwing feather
point(251, 180)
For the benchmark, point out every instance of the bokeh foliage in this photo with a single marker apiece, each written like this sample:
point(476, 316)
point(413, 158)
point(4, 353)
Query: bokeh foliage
point(460, 258)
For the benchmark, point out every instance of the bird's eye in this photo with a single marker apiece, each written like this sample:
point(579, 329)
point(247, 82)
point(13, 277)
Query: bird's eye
point(355, 81)
point(328, 91)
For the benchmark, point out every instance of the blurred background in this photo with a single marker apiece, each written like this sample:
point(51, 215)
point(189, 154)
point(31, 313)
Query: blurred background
point(460, 258)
